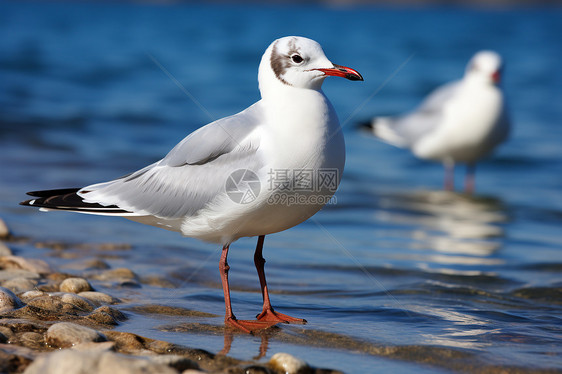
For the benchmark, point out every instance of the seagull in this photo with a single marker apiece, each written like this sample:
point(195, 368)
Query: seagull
point(459, 122)
point(257, 172)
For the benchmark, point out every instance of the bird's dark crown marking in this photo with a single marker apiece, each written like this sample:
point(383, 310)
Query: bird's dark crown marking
point(281, 62)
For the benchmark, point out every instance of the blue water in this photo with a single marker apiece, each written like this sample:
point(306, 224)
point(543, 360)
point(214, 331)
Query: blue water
point(91, 92)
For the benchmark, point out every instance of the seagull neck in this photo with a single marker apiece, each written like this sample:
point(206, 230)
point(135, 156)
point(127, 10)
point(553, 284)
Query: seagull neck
point(476, 80)
point(292, 106)
point(298, 119)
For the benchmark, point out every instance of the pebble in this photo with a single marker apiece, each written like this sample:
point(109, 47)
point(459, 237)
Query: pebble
point(69, 361)
point(288, 364)
point(255, 369)
point(29, 264)
point(95, 264)
point(5, 250)
point(32, 340)
point(87, 264)
point(113, 274)
point(179, 363)
point(126, 342)
point(77, 301)
point(99, 298)
point(29, 295)
point(7, 332)
point(121, 277)
point(105, 315)
point(8, 274)
point(20, 284)
point(75, 285)
point(8, 300)
point(55, 306)
point(95, 347)
point(111, 362)
point(4, 230)
point(67, 334)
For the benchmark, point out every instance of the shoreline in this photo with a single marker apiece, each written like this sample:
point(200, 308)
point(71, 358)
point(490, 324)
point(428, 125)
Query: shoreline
point(56, 322)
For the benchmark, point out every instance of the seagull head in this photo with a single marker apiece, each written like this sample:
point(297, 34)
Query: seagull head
point(485, 66)
point(299, 62)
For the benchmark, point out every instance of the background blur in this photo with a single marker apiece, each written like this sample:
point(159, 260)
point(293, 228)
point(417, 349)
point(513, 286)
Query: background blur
point(92, 91)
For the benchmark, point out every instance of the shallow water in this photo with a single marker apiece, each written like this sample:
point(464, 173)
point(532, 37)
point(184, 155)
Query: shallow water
point(397, 275)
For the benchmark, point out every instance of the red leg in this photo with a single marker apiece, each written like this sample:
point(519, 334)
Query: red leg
point(268, 314)
point(469, 179)
point(449, 183)
point(229, 318)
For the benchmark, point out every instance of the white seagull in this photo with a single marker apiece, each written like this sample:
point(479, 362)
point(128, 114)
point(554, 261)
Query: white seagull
point(258, 172)
point(459, 122)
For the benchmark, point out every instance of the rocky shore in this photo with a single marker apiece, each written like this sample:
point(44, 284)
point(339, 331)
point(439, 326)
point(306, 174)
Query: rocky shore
point(52, 322)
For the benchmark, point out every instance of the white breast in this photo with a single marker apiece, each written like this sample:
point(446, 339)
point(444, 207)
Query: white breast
point(294, 138)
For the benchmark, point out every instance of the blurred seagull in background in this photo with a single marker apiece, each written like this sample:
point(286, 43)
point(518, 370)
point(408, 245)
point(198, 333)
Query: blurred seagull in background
point(200, 188)
point(459, 122)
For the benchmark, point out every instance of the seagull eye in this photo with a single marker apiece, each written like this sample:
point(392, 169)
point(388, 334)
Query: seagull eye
point(297, 59)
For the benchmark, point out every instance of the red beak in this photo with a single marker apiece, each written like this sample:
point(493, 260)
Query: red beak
point(342, 71)
point(496, 77)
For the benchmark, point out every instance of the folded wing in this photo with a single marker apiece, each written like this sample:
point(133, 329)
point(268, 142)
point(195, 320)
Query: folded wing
point(403, 131)
point(191, 175)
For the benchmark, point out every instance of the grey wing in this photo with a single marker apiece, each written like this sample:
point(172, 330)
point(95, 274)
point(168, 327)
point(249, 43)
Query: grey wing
point(405, 130)
point(191, 175)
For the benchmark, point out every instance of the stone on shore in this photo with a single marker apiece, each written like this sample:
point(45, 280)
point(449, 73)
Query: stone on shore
point(66, 334)
point(30, 295)
point(57, 305)
point(32, 340)
point(4, 230)
point(178, 362)
point(99, 298)
point(120, 277)
point(20, 284)
point(8, 300)
point(75, 285)
point(95, 347)
point(289, 364)
point(70, 361)
point(29, 264)
point(5, 250)
point(105, 315)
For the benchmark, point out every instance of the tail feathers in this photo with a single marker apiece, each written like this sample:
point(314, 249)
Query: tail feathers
point(68, 199)
point(385, 128)
point(376, 125)
point(367, 126)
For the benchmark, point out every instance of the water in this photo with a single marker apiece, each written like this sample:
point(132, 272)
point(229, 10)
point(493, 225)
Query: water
point(396, 276)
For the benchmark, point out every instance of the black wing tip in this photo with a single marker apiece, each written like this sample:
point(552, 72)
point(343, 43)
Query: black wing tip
point(67, 199)
point(27, 202)
point(49, 193)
